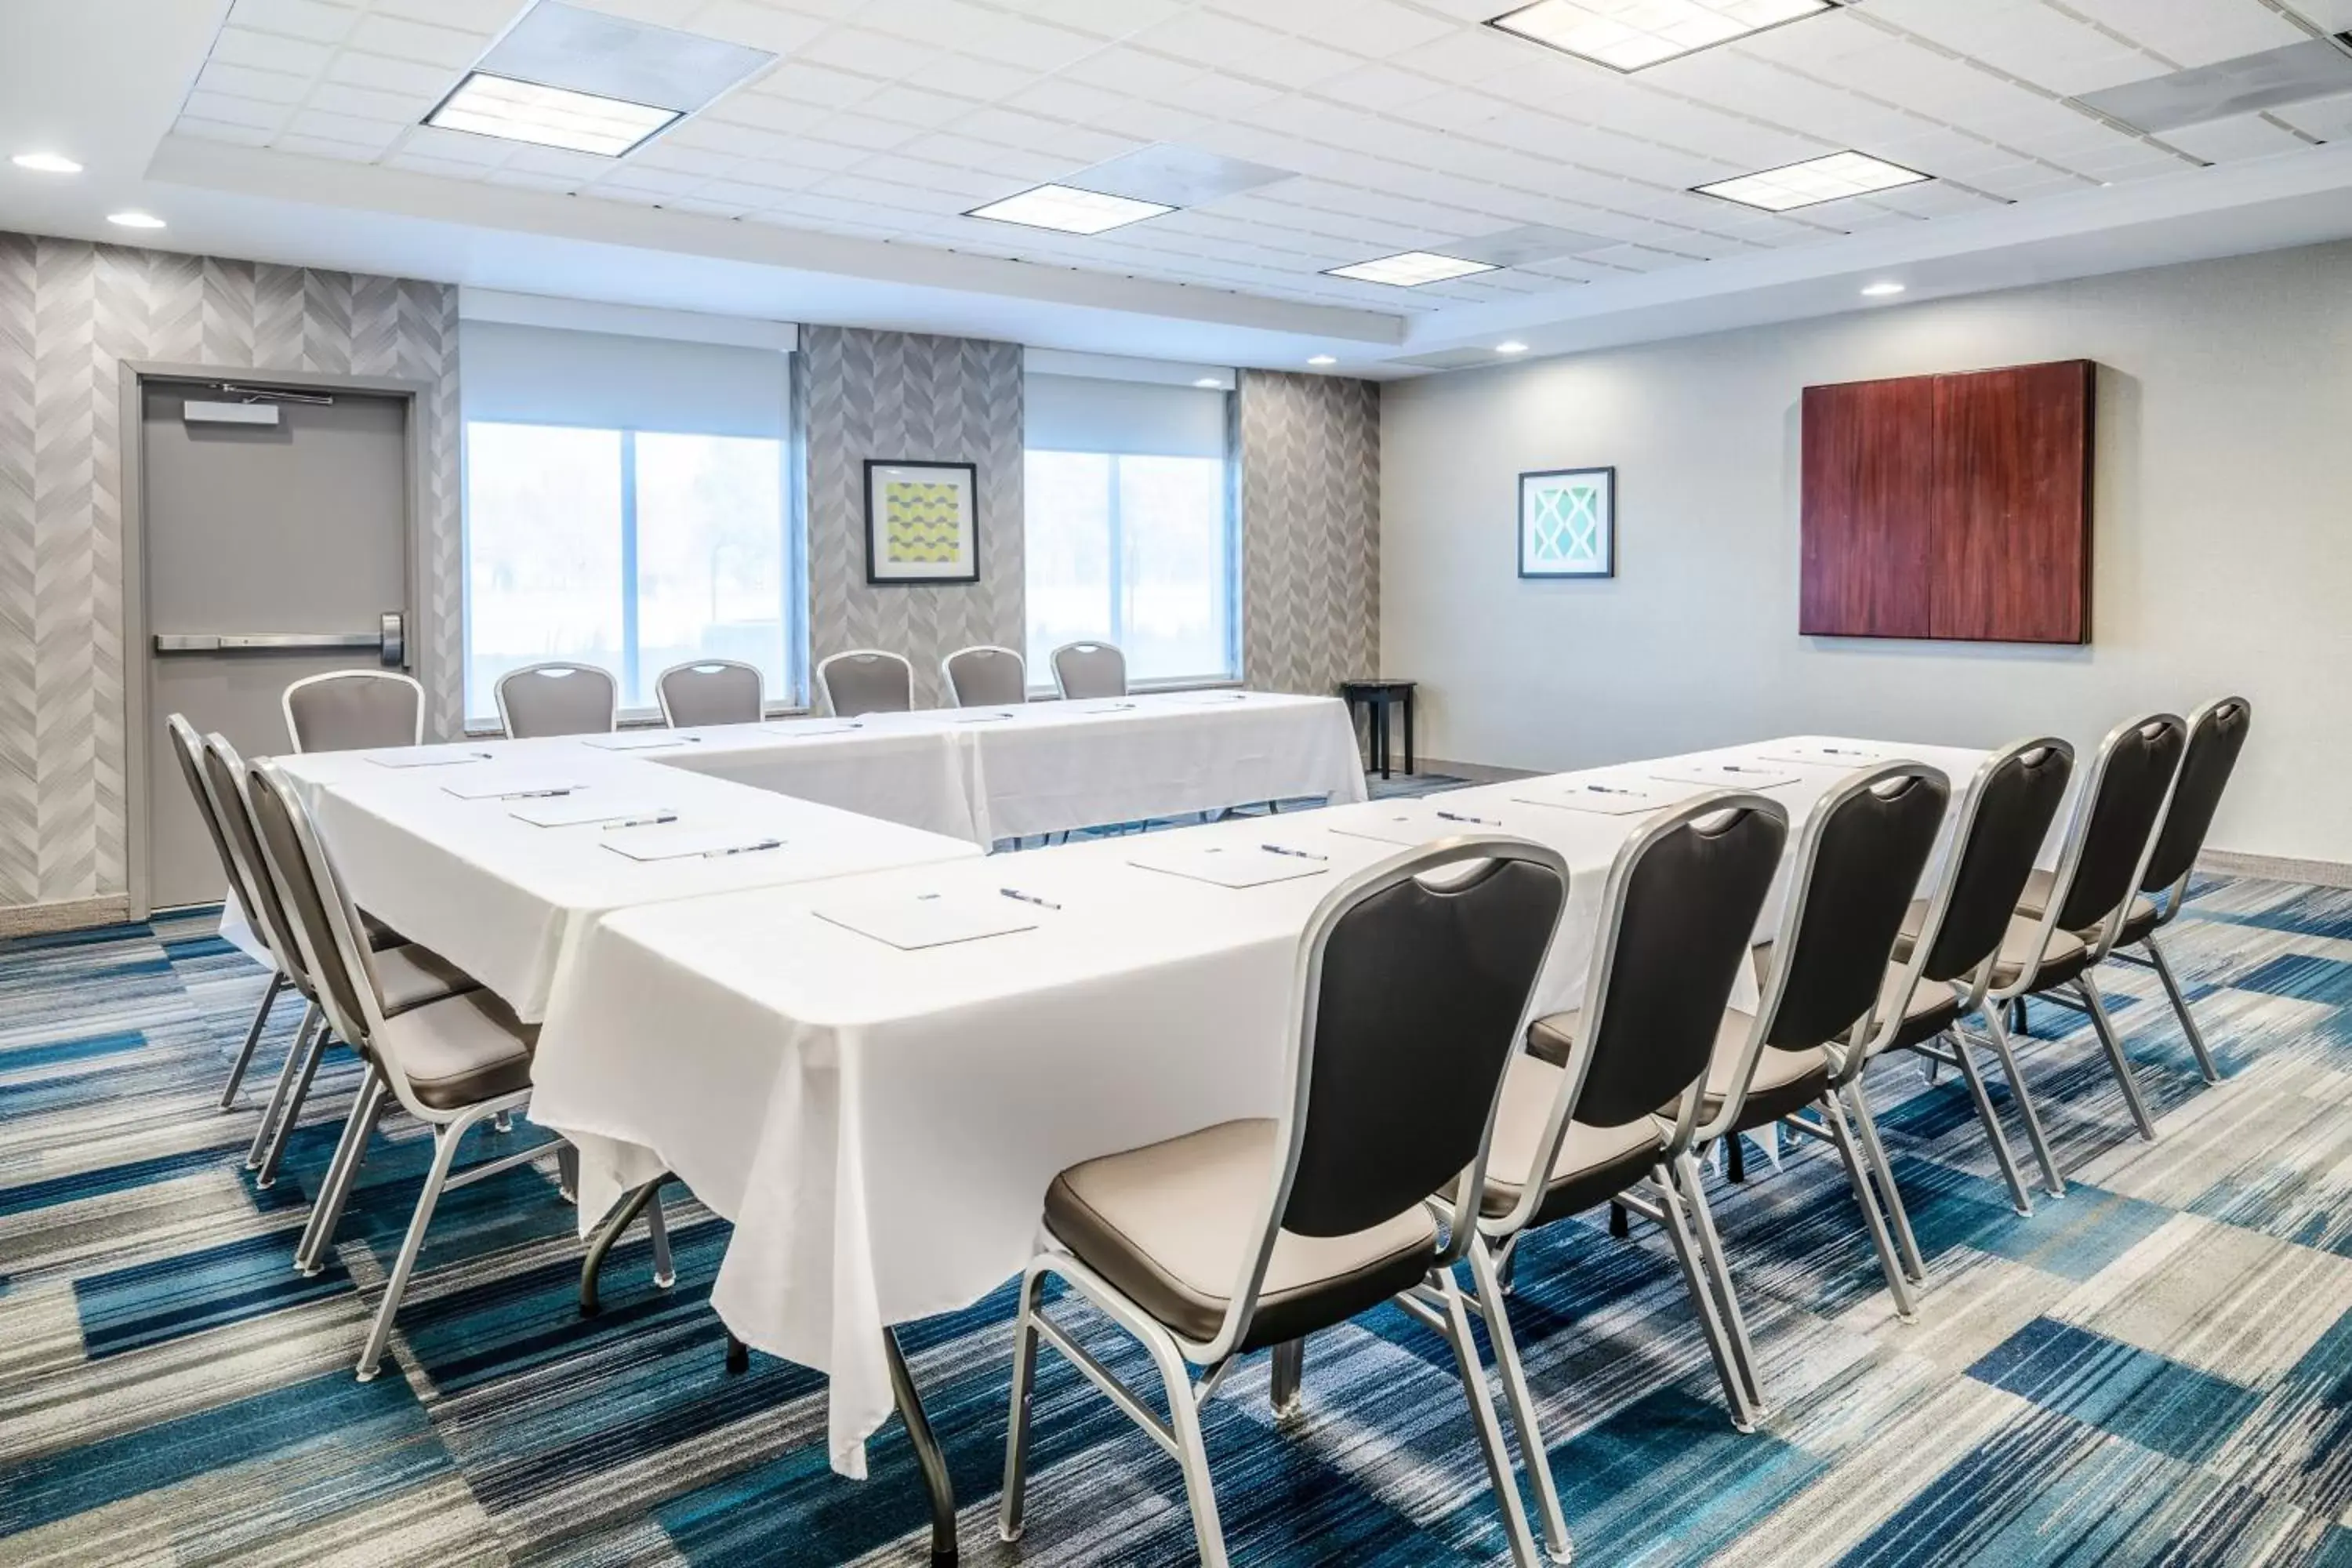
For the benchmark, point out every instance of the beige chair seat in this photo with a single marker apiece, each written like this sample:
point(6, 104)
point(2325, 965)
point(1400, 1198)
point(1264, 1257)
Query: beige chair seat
point(409, 977)
point(2143, 918)
point(1595, 1163)
point(460, 1050)
point(1928, 1011)
point(2061, 961)
point(1784, 1080)
point(1168, 1224)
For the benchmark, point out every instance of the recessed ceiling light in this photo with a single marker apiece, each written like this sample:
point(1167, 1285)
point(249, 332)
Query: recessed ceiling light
point(1323, 359)
point(1410, 268)
point(1814, 181)
point(1883, 290)
point(135, 220)
point(1069, 209)
point(46, 163)
point(1513, 347)
point(1628, 35)
point(515, 111)
point(1212, 383)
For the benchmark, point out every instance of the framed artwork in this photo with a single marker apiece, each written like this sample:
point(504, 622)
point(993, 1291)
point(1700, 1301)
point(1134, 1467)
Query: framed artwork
point(1567, 523)
point(922, 522)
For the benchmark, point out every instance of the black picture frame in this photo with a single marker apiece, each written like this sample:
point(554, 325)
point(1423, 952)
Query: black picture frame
point(968, 474)
point(1607, 565)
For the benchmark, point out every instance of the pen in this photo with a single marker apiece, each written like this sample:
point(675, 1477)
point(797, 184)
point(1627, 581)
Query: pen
point(642, 821)
point(743, 849)
point(1294, 854)
point(536, 794)
point(1029, 897)
point(1609, 789)
point(1458, 816)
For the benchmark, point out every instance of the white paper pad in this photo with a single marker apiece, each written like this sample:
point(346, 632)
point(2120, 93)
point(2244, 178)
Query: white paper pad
point(653, 742)
point(588, 806)
point(1207, 699)
point(1238, 866)
point(508, 786)
point(1111, 707)
point(676, 843)
point(983, 718)
point(909, 921)
point(1829, 756)
point(1421, 825)
point(421, 758)
point(1727, 775)
point(806, 727)
point(1612, 797)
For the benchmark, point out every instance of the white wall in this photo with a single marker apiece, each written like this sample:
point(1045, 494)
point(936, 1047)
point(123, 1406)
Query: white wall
point(2222, 556)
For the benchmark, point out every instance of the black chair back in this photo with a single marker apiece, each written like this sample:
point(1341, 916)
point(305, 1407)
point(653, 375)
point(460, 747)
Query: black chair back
point(2000, 837)
point(2216, 735)
point(2134, 777)
point(227, 774)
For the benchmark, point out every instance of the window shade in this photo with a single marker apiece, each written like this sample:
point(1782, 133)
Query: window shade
point(1079, 414)
point(550, 375)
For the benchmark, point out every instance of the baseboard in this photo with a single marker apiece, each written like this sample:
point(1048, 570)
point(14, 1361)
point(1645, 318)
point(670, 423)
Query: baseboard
point(36, 919)
point(2277, 867)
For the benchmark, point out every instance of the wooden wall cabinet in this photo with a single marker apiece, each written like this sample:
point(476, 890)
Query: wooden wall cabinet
point(1952, 507)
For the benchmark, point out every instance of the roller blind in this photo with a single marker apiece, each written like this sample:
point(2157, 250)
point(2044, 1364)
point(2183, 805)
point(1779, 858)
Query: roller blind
point(1081, 413)
point(550, 375)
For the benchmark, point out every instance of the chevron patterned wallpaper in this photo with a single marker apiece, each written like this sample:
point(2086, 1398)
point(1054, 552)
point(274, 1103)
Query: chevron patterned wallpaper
point(71, 313)
point(1310, 484)
point(906, 396)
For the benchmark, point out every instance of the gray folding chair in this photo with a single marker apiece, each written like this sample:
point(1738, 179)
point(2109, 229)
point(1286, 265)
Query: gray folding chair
point(1411, 985)
point(1087, 670)
point(1605, 1098)
point(985, 677)
point(867, 680)
point(188, 751)
point(353, 709)
point(2078, 911)
point(558, 699)
point(711, 692)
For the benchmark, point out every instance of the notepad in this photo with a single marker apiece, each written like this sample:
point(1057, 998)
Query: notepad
point(587, 806)
point(421, 757)
point(1727, 775)
point(681, 843)
point(911, 921)
point(1407, 827)
point(813, 727)
point(1235, 866)
point(513, 786)
point(981, 718)
point(1827, 755)
point(1111, 707)
point(1205, 699)
point(653, 742)
point(1608, 797)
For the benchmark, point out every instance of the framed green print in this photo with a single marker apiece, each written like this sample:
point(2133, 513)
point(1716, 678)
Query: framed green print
point(1567, 523)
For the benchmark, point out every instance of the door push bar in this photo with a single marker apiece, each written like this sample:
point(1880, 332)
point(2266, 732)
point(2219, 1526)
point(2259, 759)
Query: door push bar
point(390, 640)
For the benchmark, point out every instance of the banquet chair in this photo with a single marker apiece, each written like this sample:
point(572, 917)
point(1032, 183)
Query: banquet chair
point(866, 681)
point(1410, 987)
point(188, 751)
point(2217, 732)
point(408, 973)
point(711, 692)
point(351, 710)
point(558, 699)
point(2075, 913)
point(1858, 861)
point(985, 677)
point(454, 1063)
point(1086, 671)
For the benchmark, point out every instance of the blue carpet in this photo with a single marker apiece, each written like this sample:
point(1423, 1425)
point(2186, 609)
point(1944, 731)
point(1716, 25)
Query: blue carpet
point(2157, 1368)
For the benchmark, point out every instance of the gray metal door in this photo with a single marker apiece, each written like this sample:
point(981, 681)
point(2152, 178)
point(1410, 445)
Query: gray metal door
point(273, 552)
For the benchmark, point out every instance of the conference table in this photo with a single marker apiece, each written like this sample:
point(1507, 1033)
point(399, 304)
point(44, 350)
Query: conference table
point(876, 1078)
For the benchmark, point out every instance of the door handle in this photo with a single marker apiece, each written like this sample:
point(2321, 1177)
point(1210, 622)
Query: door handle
point(390, 640)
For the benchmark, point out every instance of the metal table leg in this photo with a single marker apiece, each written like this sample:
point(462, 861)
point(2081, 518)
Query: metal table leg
point(1289, 1367)
point(623, 1216)
point(934, 1465)
point(1407, 730)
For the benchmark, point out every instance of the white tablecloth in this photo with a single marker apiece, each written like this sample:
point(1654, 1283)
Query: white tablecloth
point(881, 1125)
point(508, 901)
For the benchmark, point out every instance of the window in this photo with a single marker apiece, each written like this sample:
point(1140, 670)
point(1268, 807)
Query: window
point(1129, 528)
point(633, 521)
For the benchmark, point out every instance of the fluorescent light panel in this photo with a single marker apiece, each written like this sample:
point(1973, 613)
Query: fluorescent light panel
point(46, 163)
point(1629, 34)
point(513, 111)
point(1410, 268)
point(1069, 209)
point(1814, 181)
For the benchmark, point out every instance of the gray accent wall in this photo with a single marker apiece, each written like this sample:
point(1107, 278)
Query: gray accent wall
point(906, 396)
point(70, 314)
point(1309, 447)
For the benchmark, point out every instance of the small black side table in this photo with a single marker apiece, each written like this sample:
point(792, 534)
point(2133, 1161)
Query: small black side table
point(1377, 697)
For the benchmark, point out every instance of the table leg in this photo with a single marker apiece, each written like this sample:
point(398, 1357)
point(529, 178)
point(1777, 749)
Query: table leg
point(1408, 732)
point(622, 1215)
point(1381, 720)
point(933, 1464)
point(1289, 1364)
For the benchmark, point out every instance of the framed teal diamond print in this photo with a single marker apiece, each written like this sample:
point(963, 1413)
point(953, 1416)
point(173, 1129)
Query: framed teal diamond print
point(1567, 523)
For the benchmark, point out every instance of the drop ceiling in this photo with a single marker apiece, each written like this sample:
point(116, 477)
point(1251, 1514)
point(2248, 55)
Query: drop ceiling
point(1404, 125)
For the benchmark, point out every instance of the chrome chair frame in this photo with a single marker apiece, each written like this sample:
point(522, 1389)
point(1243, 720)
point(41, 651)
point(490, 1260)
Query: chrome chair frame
point(286, 699)
point(571, 669)
point(956, 695)
point(824, 683)
point(705, 667)
point(1438, 1302)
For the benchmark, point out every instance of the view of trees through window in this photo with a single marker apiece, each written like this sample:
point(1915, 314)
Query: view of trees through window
point(1133, 550)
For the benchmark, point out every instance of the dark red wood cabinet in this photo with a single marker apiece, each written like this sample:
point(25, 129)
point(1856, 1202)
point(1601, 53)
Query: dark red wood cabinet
point(1950, 505)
